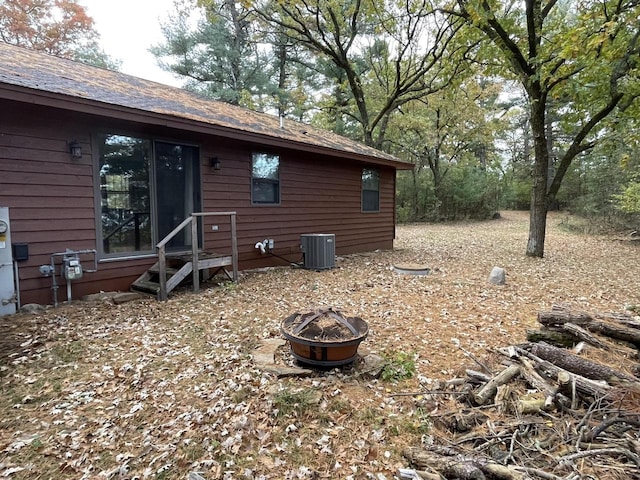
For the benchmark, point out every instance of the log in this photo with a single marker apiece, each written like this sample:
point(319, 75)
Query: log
point(575, 364)
point(531, 405)
point(488, 391)
point(477, 377)
point(622, 318)
point(554, 337)
point(455, 465)
point(584, 335)
point(460, 422)
point(583, 385)
point(552, 393)
point(620, 332)
point(567, 388)
point(600, 342)
point(534, 379)
point(450, 467)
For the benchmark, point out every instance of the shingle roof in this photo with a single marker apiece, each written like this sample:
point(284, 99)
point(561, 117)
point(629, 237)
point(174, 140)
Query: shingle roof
point(45, 73)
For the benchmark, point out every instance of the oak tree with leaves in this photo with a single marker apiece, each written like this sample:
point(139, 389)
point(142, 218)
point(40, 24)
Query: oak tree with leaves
point(58, 27)
point(575, 60)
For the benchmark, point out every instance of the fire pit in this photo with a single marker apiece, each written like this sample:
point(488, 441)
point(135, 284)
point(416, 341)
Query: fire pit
point(324, 337)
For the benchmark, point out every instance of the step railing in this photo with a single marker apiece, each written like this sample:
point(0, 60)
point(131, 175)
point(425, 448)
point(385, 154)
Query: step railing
point(195, 271)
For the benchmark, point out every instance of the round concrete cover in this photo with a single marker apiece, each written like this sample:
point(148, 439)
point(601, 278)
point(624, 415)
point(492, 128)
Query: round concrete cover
point(411, 269)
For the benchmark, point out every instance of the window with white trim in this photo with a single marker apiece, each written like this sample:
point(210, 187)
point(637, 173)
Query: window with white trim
point(265, 179)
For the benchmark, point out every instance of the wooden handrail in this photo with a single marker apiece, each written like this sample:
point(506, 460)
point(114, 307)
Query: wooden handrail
point(162, 254)
point(174, 232)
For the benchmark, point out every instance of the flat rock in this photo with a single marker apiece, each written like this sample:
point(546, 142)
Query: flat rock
point(124, 297)
point(372, 365)
point(99, 296)
point(32, 308)
point(265, 358)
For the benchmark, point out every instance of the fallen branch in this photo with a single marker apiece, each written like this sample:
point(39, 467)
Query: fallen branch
point(488, 392)
point(584, 335)
point(538, 473)
point(601, 451)
point(604, 425)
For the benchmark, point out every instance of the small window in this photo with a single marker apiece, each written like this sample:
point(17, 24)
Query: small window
point(370, 190)
point(265, 179)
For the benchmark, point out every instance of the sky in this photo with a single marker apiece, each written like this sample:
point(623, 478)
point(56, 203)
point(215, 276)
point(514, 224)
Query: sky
point(127, 29)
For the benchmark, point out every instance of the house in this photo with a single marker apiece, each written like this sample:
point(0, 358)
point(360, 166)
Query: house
point(106, 164)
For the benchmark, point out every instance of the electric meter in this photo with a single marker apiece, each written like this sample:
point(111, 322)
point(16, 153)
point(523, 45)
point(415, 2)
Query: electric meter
point(3, 226)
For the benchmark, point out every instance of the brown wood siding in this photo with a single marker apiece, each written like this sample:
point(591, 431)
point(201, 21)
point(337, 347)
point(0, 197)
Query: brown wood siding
point(318, 195)
point(51, 198)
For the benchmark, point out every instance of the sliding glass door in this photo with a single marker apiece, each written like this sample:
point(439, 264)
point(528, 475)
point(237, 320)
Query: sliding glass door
point(146, 189)
point(176, 167)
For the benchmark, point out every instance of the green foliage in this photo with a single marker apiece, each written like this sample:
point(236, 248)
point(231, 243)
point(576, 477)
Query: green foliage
point(375, 57)
point(93, 54)
point(601, 186)
point(58, 27)
point(578, 66)
point(629, 200)
point(468, 192)
point(398, 366)
point(450, 138)
point(516, 194)
point(219, 56)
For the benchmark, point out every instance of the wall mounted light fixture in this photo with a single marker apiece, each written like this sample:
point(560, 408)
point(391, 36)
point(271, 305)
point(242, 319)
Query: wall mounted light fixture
point(75, 149)
point(214, 162)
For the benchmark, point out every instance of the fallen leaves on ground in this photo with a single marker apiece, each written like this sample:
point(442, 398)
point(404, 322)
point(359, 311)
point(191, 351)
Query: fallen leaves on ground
point(160, 390)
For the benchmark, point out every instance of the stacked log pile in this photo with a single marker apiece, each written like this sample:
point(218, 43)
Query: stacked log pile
point(564, 405)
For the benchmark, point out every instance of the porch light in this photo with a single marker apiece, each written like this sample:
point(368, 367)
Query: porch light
point(75, 149)
point(214, 162)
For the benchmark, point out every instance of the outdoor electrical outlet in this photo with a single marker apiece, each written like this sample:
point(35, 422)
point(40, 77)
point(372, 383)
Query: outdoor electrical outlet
point(271, 243)
point(214, 228)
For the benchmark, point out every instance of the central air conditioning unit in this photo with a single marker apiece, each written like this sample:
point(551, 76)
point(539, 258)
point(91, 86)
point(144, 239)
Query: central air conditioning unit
point(319, 250)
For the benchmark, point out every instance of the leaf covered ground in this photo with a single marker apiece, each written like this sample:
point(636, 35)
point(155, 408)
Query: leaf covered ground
point(160, 390)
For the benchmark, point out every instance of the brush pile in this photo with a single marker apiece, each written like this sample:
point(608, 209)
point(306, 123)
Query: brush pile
point(564, 405)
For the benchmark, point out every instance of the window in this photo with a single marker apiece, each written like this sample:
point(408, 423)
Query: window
point(370, 190)
point(265, 179)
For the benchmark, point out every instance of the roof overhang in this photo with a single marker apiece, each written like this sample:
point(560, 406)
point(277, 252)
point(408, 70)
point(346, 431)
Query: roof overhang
point(114, 111)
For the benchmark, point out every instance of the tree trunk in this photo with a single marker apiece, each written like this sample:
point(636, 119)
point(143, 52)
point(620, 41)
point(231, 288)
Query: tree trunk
point(538, 210)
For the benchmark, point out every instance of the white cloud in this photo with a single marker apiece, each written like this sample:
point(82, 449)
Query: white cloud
point(128, 28)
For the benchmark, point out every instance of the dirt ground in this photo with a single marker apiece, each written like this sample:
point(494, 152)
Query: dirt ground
point(160, 390)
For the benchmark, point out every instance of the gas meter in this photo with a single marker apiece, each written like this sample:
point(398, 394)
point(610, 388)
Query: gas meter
point(71, 267)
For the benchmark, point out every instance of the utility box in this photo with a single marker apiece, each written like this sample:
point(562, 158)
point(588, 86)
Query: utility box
point(319, 250)
point(8, 293)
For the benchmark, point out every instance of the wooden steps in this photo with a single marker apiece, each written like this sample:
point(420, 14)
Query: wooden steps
point(172, 270)
point(178, 272)
point(146, 286)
